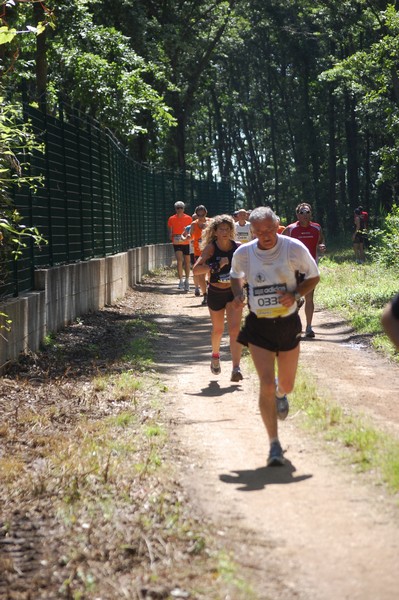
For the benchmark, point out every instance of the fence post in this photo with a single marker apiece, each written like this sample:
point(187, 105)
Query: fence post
point(65, 180)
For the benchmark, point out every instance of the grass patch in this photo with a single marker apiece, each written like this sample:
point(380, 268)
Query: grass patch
point(95, 459)
point(359, 293)
point(227, 570)
point(364, 446)
point(11, 469)
point(140, 352)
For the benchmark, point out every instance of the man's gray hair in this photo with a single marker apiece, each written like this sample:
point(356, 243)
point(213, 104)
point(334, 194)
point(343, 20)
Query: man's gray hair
point(261, 213)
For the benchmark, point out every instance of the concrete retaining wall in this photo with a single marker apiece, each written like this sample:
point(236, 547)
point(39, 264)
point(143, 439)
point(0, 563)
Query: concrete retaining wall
point(63, 293)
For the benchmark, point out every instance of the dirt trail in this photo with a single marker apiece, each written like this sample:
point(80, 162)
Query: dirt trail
point(311, 530)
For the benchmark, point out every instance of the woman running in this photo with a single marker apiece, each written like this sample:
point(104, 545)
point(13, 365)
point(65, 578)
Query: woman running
point(219, 246)
point(196, 231)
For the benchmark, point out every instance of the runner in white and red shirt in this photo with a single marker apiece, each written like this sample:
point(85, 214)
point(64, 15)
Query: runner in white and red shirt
point(311, 235)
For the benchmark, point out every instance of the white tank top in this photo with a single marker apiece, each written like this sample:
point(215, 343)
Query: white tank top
point(243, 232)
point(271, 271)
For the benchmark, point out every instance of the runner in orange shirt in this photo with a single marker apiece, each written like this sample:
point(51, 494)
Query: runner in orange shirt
point(181, 245)
point(197, 227)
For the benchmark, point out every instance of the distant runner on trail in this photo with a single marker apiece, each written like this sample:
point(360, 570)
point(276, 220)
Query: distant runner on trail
point(196, 230)
point(181, 245)
point(219, 246)
point(360, 218)
point(272, 329)
point(390, 320)
point(243, 227)
point(311, 234)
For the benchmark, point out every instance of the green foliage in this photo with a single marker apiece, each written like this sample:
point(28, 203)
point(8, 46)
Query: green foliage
point(109, 79)
point(16, 139)
point(290, 100)
point(97, 69)
point(20, 14)
point(385, 242)
point(359, 292)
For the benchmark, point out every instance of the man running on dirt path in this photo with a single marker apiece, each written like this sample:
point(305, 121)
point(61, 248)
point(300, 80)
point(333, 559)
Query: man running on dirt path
point(272, 329)
point(181, 245)
point(311, 235)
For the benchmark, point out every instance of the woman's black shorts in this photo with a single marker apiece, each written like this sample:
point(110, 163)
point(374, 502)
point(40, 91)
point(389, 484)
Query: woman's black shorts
point(219, 297)
point(281, 334)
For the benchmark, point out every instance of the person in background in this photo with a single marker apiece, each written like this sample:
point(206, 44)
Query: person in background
point(272, 329)
point(243, 227)
point(219, 246)
point(176, 226)
point(196, 230)
point(186, 236)
point(311, 235)
point(390, 320)
point(360, 218)
point(280, 226)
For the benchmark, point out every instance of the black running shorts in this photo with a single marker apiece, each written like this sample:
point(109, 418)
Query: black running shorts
point(277, 335)
point(185, 248)
point(359, 237)
point(219, 297)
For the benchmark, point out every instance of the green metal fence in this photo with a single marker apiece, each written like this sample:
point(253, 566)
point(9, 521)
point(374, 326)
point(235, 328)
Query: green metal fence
point(96, 200)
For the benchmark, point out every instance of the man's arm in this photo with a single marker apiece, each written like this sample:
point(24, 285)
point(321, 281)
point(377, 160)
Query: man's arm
point(170, 229)
point(201, 267)
point(303, 288)
point(307, 285)
point(237, 287)
point(322, 241)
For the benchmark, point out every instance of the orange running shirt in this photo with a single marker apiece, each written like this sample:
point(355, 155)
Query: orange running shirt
point(178, 224)
point(196, 234)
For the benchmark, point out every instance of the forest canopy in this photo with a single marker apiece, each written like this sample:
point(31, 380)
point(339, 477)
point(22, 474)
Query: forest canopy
point(290, 100)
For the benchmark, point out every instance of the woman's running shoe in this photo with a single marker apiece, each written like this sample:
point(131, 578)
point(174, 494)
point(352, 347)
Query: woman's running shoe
point(283, 407)
point(215, 365)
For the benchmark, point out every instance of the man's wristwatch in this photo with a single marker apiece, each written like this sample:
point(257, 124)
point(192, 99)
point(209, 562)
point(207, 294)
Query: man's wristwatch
point(297, 296)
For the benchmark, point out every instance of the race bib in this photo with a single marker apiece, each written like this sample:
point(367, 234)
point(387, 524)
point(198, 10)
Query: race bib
point(224, 278)
point(266, 301)
point(177, 239)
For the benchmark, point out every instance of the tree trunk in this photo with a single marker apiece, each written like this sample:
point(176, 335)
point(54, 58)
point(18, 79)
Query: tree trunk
point(351, 148)
point(332, 166)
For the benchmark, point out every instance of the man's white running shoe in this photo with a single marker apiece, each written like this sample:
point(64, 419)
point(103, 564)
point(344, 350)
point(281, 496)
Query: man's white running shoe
point(180, 285)
point(186, 285)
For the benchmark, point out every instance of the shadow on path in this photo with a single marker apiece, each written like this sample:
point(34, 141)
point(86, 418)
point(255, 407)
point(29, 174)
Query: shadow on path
point(214, 389)
point(257, 479)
